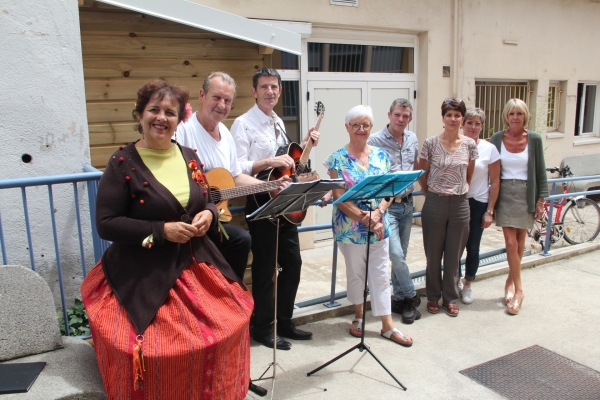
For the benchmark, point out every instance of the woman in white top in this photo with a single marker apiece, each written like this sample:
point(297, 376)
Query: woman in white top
point(522, 190)
point(482, 195)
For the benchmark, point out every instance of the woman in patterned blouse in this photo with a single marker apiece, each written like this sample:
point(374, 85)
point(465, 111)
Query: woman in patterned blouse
point(352, 222)
point(448, 160)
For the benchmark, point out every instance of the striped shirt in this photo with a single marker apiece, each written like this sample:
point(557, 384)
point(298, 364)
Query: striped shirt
point(448, 172)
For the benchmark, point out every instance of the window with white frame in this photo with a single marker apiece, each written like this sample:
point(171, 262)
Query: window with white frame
point(339, 57)
point(553, 118)
point(587, 117)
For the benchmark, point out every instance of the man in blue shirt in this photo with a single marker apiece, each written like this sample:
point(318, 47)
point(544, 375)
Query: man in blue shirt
point(402, 147)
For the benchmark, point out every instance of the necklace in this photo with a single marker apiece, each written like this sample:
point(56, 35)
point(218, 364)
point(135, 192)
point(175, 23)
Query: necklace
point(360, 155)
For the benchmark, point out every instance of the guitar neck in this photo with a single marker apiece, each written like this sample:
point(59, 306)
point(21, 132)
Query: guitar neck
point(309, 145)
point(241, 191)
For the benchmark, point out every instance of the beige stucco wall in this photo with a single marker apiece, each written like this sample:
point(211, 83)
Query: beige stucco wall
point(557, 41)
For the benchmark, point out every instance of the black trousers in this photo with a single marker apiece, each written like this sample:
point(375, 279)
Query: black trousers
point(235, 249)
point(477, 211)
point(264, 237)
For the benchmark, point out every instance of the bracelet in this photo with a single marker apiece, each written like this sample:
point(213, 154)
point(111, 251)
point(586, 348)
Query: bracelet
point(540, 202)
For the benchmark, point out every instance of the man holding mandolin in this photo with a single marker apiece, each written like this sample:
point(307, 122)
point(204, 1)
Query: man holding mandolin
point(258, 134)
point(209, 137)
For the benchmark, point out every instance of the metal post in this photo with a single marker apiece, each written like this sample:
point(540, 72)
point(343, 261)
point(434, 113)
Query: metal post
point(27, 227)
point(58, 266)
point(545, 253)
point(78, 215)
point(332, 303)
point(2, 244)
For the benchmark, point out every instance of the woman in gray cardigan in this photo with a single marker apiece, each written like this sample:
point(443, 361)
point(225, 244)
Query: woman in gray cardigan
point(522, 190)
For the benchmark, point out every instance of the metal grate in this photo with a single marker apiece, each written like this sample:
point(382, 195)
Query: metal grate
point(537, 373)
point(491, 98)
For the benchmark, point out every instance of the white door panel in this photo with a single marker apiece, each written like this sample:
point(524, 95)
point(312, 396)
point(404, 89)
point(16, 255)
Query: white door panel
point(381, 96)
point(339, 97)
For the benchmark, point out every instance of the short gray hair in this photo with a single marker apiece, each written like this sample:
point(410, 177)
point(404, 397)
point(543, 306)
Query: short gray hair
point(475, 113)
point(360, 112)
point(224, 76)
point(401, 103)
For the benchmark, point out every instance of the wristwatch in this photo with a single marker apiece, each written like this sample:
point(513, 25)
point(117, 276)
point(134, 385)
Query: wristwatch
point(381, 210)
point(491, 212)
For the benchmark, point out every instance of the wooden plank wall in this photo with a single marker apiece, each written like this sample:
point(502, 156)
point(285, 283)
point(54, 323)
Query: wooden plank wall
point(123, 49)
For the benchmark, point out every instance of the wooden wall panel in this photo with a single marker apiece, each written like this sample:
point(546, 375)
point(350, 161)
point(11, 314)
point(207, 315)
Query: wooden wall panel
point(126, 88)
point(120, 110)
point(152, 47)
point(123, 49)
point(113, 67)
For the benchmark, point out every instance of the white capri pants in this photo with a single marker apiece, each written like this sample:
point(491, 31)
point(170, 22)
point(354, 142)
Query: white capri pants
point(379, 282)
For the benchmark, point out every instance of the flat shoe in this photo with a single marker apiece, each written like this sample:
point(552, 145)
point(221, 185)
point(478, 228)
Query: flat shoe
point(516, 306)
point(451, 309)
point(405, 340)
point(356, 332)
point(433, 307)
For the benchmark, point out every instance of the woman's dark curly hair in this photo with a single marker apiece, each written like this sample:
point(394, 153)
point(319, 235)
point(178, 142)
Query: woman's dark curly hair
point(157, 89)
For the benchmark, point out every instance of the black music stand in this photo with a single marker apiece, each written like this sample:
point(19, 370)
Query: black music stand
point(295, 197)
point(377, 186)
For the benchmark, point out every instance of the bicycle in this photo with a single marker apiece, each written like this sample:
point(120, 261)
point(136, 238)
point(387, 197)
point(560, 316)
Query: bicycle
point(577, 220)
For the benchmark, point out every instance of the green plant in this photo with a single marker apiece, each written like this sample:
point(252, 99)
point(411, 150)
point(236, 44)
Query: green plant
point(78, 320)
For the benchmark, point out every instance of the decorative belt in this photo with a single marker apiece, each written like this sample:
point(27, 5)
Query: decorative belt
point(403, 199)
point(444, 194)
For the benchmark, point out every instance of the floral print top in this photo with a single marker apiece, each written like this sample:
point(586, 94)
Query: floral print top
point(346, 229)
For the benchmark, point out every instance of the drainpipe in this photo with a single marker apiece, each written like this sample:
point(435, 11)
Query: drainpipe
point(456, 47)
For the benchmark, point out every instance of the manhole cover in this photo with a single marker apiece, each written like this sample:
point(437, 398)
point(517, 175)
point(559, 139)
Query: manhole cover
point(537, 373)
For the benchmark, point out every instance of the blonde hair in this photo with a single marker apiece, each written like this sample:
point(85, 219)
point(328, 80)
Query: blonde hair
point(519, 105)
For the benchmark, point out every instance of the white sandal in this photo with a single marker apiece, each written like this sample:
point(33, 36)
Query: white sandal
point(388, 335)
point(358, 327)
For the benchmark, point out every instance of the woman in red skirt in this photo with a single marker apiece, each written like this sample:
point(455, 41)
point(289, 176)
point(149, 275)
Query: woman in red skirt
point(169, 317)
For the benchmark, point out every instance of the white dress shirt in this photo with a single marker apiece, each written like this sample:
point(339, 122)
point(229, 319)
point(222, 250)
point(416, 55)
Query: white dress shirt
point(256, 138)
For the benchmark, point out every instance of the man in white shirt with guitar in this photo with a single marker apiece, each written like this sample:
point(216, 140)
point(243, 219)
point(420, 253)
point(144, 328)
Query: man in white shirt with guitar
point(258, 134)
point(205, 133)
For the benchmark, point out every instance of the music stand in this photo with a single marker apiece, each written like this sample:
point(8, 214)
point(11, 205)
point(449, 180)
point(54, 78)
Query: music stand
point(376, 186)
point(295, 197)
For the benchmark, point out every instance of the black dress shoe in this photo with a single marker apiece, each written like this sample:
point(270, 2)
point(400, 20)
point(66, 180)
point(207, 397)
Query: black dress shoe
point(267, 340)
point(261, 391)
point(291, 332)
point(410, 312)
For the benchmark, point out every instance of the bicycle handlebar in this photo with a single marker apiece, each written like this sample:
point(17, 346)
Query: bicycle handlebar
point(562, 172)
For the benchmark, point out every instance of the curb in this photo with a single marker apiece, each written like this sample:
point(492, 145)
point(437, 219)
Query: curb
point(319, 312)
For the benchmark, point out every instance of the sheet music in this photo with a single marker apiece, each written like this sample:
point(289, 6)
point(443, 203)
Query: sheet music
point(297, 196)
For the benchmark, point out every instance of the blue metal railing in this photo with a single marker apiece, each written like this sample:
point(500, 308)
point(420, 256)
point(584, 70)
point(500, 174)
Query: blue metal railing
point(553, 196)
point(92, 176)
point(92, 179)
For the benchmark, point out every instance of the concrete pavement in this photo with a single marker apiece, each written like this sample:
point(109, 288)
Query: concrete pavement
point(559, 313)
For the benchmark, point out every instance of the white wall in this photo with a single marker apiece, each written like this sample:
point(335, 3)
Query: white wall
point(557, 40)
point(44, 115)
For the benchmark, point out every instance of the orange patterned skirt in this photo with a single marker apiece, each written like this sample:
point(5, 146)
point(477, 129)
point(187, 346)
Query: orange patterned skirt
point(197, 346)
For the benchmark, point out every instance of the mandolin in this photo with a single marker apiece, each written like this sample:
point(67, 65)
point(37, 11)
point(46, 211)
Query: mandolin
point(222, 188)
point(299, 173)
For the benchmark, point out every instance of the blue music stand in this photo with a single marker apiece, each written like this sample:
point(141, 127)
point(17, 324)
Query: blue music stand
point(373, 187)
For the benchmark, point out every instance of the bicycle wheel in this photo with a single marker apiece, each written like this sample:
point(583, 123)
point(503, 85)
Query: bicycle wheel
point(581, 221)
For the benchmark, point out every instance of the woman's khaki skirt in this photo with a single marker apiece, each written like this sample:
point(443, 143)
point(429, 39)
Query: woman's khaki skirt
point(511, 210)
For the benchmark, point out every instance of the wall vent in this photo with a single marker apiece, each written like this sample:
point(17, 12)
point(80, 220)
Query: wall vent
point(349, 3)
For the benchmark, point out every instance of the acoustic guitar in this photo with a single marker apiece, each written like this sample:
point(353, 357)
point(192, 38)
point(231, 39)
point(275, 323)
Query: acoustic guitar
point(222, 189)
point(299, 173)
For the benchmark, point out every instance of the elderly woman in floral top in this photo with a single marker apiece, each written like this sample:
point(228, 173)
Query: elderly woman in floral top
point(449, 161)
point(352, 220)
